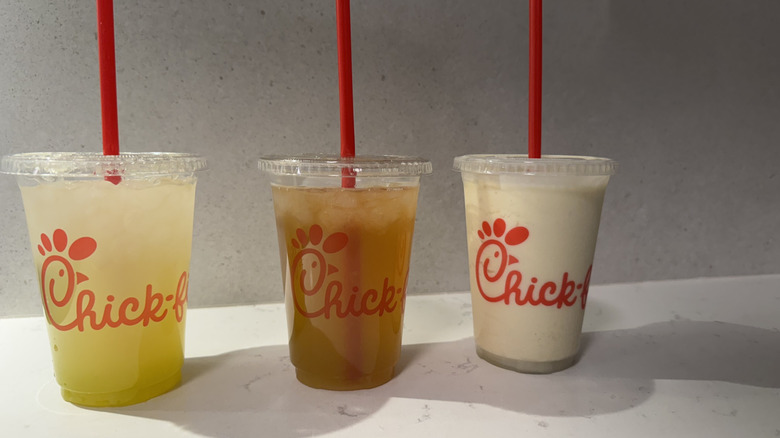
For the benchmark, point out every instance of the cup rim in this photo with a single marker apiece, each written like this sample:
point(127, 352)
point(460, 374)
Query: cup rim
point(547, 165)
point(97, 165)
point(330, 165)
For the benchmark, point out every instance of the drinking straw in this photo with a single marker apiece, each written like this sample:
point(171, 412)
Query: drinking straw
point(344, 43)
point(354, 351)
point(108, 107)
point(535, 79)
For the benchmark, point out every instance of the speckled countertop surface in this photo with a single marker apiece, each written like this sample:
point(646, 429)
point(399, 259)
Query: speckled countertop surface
point(671, 358)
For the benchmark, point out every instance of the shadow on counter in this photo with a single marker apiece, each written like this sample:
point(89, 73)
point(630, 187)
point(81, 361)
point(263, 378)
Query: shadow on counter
point(255, 390)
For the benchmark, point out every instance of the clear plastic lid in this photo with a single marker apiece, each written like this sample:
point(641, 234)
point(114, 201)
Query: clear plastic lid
point(95, 164)
point(569, 165)
point(333, 165)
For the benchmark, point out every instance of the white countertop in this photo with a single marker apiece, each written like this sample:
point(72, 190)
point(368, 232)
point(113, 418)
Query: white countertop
point(671, 358)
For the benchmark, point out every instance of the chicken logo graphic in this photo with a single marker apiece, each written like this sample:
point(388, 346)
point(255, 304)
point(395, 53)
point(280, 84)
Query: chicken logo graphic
point(318, 286)
point(66, 308)
point(499, 277)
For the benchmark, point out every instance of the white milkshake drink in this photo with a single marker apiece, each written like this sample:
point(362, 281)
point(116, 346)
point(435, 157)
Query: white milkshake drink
point(531, 229)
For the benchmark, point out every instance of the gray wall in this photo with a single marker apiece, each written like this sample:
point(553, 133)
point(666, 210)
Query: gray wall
point(685, 94)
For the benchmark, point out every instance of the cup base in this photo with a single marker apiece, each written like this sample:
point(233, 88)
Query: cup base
point(525, 366)
point(121, 398)
point(367, 381)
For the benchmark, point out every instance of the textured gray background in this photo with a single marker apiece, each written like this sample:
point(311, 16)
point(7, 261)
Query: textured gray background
point(684, 94)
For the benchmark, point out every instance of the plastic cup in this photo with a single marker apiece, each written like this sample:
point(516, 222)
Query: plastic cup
point(531, 227)
point(345, 262)
point(113, 264)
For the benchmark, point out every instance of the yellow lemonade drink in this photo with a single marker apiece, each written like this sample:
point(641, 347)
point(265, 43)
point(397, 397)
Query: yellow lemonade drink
point(113, 266)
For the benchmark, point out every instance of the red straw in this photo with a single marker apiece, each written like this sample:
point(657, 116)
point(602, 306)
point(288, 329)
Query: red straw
point(345, 88)
point(352, 276)
point(535, 80)
point(105, 26)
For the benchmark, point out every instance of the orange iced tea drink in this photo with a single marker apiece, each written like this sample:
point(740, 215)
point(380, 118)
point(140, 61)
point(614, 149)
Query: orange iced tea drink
point(345, 262)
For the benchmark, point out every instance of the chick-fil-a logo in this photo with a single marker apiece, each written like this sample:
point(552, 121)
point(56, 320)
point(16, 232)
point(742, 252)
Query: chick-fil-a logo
point(310, 271)
point(59, 282)
point(497, 281)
